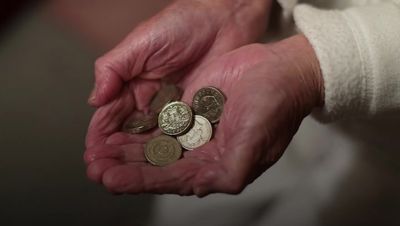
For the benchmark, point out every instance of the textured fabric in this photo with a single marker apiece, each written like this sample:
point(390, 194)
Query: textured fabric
point(359, 53)
point(287, 6)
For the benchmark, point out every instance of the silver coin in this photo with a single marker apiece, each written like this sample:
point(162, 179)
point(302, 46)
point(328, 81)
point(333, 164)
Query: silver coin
point(140, 124)
point(198, 135)
point(209, 102)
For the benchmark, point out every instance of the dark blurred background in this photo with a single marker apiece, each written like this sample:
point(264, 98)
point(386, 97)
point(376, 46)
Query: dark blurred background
point(47, 50)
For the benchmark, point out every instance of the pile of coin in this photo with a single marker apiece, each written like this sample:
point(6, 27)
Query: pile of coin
point(183, 126)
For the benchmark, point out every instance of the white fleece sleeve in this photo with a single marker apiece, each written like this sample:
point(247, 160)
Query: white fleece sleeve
point(359, 54)
point(287, 7)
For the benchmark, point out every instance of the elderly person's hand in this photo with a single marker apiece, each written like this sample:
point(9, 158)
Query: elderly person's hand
point(269, 89)
point(182, 37)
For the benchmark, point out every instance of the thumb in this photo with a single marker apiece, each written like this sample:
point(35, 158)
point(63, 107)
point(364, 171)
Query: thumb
point(128, 60)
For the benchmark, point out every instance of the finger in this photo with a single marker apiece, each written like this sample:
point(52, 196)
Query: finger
point(109, 119)
point(96, 169)
point(239, 164)
point(143, 53)
point(102, 152)
point(114, 68)
point(107, 84)
point(125, 153)
point(144, 90)
point(152, 51)
point(207, 153)
point(133, 153)
point(176, 178)
point(124, 138)
point(221, 178)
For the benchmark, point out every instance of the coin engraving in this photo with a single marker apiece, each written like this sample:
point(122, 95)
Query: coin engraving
point(209, 102)
point(175, 118)
point(141, 124)
point(198, 135)
point(166, 94)
point(162, 150)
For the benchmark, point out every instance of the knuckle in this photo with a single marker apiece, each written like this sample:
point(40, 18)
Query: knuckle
point(236, 189)
point(88, 157)
point(212, 181)
point(117, 182)
point(101, 64)
point(234, 185)
point(93, 173)
point(203, 180)
point(111, 65)
point(111, 182)
point(185, 191)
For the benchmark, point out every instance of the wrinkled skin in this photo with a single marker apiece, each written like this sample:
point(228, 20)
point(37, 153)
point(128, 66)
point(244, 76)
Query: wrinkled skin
point(269, 90)
point(175, 42)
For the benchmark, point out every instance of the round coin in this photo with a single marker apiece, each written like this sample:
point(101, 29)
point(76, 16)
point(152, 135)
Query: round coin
point(175, 118)
point(167, 93)
point(209, 103)
point(198, 135)
point(140, 124)
point(162, 150)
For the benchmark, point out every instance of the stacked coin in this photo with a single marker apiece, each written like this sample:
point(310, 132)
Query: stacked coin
point(182, 126)
point(140, 123)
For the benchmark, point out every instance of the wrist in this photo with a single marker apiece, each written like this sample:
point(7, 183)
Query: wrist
point(241, 9)
point(255, 7)
point(303, 72)
point(250, 15)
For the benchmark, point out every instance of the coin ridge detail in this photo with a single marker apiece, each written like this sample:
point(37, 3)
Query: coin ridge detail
point(141, 125)
point(175, 118)
point(162, 150)
point(209, 103)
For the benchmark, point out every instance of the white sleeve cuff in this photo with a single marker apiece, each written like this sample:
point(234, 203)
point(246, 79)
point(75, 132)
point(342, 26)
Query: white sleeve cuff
point(359, 54)
point(287, 7)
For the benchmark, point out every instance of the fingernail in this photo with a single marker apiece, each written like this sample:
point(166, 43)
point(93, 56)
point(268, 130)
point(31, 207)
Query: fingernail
point(92, 97)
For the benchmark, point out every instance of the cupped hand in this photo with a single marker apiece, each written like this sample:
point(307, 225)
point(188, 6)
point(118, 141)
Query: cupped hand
point(269, 90)
point(179, 39)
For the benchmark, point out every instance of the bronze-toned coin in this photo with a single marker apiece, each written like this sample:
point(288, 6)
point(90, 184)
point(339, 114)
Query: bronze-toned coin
point(175, 118)
point(140, 124)
point(198, 135)
point(162, 150)
point(209, 103)
point(167, 93)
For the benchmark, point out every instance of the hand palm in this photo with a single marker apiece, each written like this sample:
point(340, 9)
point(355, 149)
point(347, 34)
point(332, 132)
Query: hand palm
point(246, 142)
